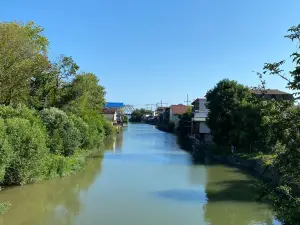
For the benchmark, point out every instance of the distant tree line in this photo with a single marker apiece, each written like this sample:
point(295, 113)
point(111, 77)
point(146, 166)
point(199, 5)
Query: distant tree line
point(138, 114)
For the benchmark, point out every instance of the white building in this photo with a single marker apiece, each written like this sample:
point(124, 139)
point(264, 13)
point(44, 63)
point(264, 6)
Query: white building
point(200, 114)
point(110, 114)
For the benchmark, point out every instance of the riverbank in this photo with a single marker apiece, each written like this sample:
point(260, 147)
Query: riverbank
point(119, 178)
point(261, 165)
point(270, 186)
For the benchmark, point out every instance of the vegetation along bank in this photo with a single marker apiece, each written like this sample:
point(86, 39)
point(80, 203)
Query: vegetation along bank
point(50, 113)
point(258, 133)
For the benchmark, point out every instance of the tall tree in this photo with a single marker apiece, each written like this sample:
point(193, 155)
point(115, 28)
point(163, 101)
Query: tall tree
point(23, 55)
point(83, 94)
point(47, 87)
point(222, 101)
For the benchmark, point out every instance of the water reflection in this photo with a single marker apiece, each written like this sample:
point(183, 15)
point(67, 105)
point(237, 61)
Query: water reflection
point(56, 201)
point(150, 181)
point(231, 199)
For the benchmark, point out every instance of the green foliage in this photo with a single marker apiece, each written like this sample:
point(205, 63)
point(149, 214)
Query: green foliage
point(222, 101)
point(137, 114)
point(125, 120)
point(5, 150)
point(50, 116)
point(59, 165)
point(83, 95)
point(22, 56)
point(29, 151)
point(83, 129)
point(184, 125)
point(19, 111)
point(4, 206)
point(108, 127)
point(65, 138)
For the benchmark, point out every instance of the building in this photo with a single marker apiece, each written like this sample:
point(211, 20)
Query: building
point(110, 114)
point(273, 94)
point(199, 119)
point(116, 105)
point(175, 111)
point(115, 108)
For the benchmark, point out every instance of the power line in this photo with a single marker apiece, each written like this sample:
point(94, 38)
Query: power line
point(161, 103)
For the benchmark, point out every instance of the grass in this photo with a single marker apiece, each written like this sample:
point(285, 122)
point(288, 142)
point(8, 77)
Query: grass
point(4, 206)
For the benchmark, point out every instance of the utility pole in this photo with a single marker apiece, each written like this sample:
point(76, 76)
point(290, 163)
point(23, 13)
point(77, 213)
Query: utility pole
point(161, 103)
point(187, 100)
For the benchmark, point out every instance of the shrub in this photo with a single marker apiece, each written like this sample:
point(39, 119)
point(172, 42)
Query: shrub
point(5, 149)
point(29, 151)
point(20, 111)
point(108, 127)
point(63, 136)
point(58, 165)
point(83, 129)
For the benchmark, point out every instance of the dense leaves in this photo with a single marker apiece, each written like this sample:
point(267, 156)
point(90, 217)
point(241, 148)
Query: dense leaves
point(260, 126)
point(50, 116)
point(23, 51)
point(223, 101)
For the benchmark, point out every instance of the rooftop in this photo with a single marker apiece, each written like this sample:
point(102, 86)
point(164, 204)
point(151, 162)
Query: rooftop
point(198, 99)
point(269, 92)
point(114, 105)
point(179, 109)
point(109, 110)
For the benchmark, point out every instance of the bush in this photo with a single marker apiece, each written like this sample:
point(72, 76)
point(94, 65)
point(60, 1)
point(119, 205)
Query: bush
point(5, 149)
point(83, 129)
point(29, 151)
point(58, 165)
point(21, 111)
point(108, 127)
point(63, 137)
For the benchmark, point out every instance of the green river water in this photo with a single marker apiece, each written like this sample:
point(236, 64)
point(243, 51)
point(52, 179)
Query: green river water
point(141, 178)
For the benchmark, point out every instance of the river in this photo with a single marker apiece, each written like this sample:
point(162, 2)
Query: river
point(141, 178)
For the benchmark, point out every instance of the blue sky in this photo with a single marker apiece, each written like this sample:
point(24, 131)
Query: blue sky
point(145, 51)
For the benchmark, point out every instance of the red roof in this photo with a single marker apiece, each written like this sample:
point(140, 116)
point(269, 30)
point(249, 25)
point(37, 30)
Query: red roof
point(179, 109)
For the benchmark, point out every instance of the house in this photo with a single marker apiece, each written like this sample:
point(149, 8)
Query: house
point(110, 114)
point(200, 112)
point(175, 111)
point(273, 94)
point(118, 107)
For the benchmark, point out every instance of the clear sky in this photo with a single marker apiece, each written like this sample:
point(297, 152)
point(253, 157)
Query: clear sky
point(144, 51)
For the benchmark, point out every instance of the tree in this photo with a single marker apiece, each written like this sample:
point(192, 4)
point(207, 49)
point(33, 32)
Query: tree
point(222, 101)
point(285, 138)
point(184, 125)
point(47, 88)
point(137, 114)
point(23, 55)
point(83, 95)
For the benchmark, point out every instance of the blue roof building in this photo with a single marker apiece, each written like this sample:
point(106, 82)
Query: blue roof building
point(114, 105)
